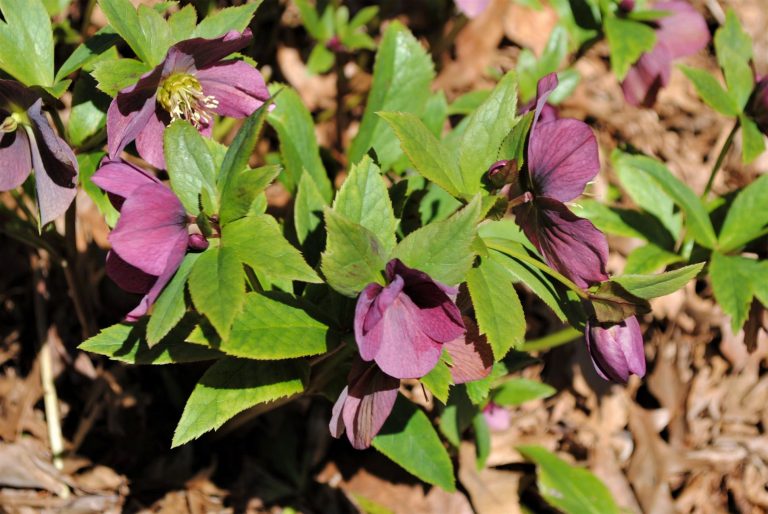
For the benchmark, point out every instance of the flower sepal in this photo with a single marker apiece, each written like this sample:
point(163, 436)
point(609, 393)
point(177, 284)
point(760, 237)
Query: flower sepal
point(611, 303)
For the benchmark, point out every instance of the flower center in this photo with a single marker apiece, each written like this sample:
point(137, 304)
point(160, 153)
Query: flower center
point(182, 96)
point(12, 122)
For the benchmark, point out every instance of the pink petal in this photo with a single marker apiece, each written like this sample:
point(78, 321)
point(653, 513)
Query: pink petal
point(371, 397)
point(616, 351)
point(238, 87)
point(562, 158)
point(647, 76)
point(569, 244)
point(498, 418)
point(152, 229)
point(121, 179)
point(157, 288)
point(130, 111)
point(336, 425)
point(472, 8)
point(16, 157)
point(207, 51)
point(363, 310)
point(684, 32)
point(471, 355)
point(149, 142)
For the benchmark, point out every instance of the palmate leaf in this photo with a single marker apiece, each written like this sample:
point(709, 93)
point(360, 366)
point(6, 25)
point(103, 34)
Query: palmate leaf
point(26, 42)
point(190, 166)
point(628, 40)
point(736, 280)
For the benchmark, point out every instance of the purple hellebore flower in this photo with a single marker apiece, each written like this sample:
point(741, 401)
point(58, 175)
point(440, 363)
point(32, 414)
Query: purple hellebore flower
point(617, 350)
point(364, 405)
point(28, 142)
point(403, 326)
point(562, 158)
point(684, 32)
point(472, 8)
point(192, 83)
point(757, 108)
point(498, 418)
point(151, 236)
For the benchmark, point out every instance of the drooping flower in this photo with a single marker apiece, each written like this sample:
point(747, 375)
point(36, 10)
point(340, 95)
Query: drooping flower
point(616, 350)
point(403, 326)
point(192, 83)
point(684, 32)
point(757, 107)
point(151, 236)
point(27, 142)
point(472, 8)
point(561, 159)
point(364, 405)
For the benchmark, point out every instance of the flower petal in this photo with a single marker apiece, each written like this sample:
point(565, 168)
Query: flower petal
point(336, 425)
point(130, 111)
point(569, 244)
point(544, 88)
point(471, 355)
point(371, 397)
point(149, 141)
point(616, 351)
point(647, 76)
point(365, 308)
point(157, 288)
point(151, 225)
point(562, 158)
point(121, 179)
point(16, 157)
point(128, 278)
point(14, 93)
point(472, 8)
point(207, 51)
point(238, 87)
point(498, 418)
point(684, 32)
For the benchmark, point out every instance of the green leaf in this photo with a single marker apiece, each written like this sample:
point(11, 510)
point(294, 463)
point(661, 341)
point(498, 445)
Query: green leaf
point(26, 42)
point(190, 166)
point(734, 52)
point(628, 40)
point(752, 140)
point(442, 249)
point(307, 207)
point(353, 257)
point(530, 69)
point(735, 281)
point(499, 312)
point(88, 164)
point(513, 146)
point(258, 242)
point(468, 102)
point(217, 286)
point(237, 200)
point(363, 199)
point(268, 329)
point(114, 75)
point(156, 34)
point(402, 76)
point(309, 18)
point(231, 386)
point(298, 144)
point(125, 342)
point(88, 52)
point(710, 91)
point(486, 129)
point(649, 258)
point(457, 415)
point(570, 489)
point(182, 23)
point(747, 216)
point(439, 380)
point(89, 111)
point(363, 16)
point(653, 286)
point(229, 18)
point(482, 439)
point(427, 154)
point(517, 391)
point(409, 439)
point(320, 59)
point(170, 306)
point(123, 17)
point(238, 153)
point(698, 222)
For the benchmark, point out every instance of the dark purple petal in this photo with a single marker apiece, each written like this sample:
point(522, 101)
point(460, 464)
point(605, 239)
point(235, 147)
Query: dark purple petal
point(13, 93)
point(562, 158)
point(128, 278)
point(237, 86)
point(569, 244)
point(157, 288)
point(121, 179)
point(647, 76)
point(370, 398)
point(471, 355)
point(544, 88)
point(16, 157)
point(149, 141)
point(152, 229)
point(207, 51)
point(616, 351)
point(757, 108)
point(130, 111)
point(55, 167)
point(684, 32)
point(472, 8)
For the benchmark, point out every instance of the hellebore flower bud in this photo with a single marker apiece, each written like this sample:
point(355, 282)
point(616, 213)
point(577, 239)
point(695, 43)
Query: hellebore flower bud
point(197, 242)
point(757, 109)
point(626, 6)
point(498, 418)
point(616, 350)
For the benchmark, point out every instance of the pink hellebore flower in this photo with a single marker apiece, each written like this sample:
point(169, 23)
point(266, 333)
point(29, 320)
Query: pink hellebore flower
point(684, 32)
point(616, 350)
point(151, 236)
point(472, 8)
point(498, 418)
point(403, 326)
point(192, 83)
point(562, 158)
point(28, 142)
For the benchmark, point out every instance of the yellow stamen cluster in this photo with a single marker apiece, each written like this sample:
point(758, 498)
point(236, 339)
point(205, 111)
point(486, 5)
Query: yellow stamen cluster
point(182, 96)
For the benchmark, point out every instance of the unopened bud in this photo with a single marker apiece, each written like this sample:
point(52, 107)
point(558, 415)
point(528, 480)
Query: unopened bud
point(197, 242)
point(334, 44)
point(500, 171)
point(626, 6)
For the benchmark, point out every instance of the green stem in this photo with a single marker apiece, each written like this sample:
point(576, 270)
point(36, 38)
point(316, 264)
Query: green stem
point(559, 338)
point(86, 21)
point(720, 159)
point(524, 257)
